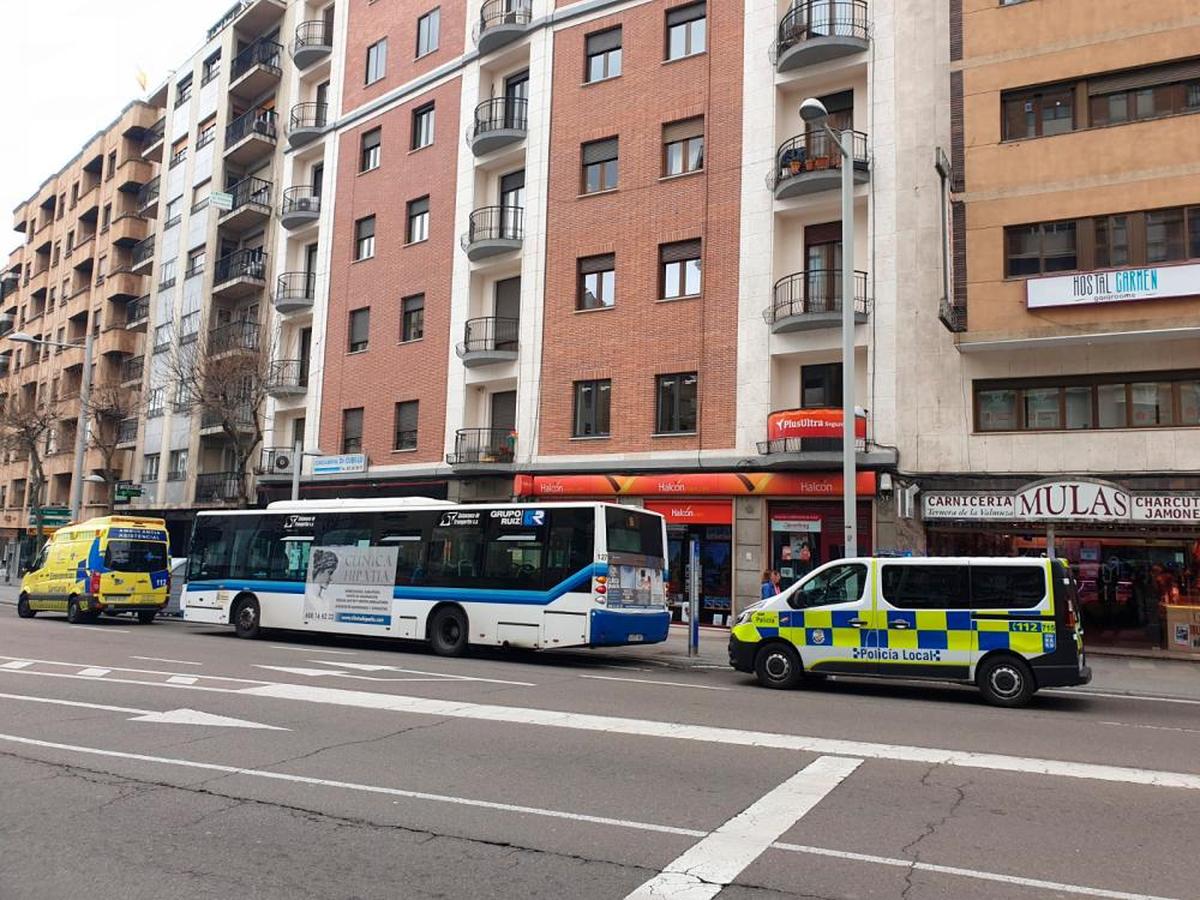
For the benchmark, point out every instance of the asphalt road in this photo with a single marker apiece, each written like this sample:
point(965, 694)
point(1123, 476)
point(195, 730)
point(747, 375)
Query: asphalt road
point(177, 761)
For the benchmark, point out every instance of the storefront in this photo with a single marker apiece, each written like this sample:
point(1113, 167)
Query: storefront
point(1135, 553)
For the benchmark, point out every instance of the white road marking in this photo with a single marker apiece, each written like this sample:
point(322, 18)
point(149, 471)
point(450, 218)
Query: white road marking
point(182, 679)
point(701, 687)
point(368, 667)
point(94, 672)
point(1112, 696)
point(1154, 727)
point(178, 662)
point(104, 628)
point(704, 869)
point(339, 673)
point(169, 717)
point(312, 650)
point(78, 665)
point(17, 664)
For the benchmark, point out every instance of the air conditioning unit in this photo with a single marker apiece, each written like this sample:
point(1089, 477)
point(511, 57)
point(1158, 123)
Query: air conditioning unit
point(306, 204)
point(282, 463)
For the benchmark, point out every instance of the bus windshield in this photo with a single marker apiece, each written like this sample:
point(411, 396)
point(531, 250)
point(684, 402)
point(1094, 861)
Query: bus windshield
point(136, 556)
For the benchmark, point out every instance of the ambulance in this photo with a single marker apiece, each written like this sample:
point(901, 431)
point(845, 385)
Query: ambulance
point(1007, 626)
point(110, 564)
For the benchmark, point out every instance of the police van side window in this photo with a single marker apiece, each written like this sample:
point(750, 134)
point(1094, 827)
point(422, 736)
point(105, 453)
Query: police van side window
point(1007, 587)
point(925, 587)
point(837, 584)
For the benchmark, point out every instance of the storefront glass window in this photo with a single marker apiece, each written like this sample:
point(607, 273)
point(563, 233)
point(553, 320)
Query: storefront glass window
point(1079, 407)
point(1041, 408)
point(1111, 402)
point(998, 410)
point(1151, 404)
point(1189, 403)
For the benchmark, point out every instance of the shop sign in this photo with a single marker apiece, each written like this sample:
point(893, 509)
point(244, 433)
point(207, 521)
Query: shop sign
point(701, 484)
point(694, 512)
point(795, 523)
point(345, 464)
point(1115, 286)
point(1077, 500)
point(788, 424)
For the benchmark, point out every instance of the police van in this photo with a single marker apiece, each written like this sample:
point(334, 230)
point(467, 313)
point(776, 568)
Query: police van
point(1008, 626)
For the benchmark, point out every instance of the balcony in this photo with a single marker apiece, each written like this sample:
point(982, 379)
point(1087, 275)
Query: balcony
point(250, 205)
point(295, 292)
point(301, 207)
point(122, 286)
point(143, 257)
point(256, 69)
point(117, 341)
point(132, 174)
point(241, 419)
point(234, 337)
point(501, 22)
point(147, 198)
point(128, 230)
point(498, 122)
point(483, 446)
point(314, 42)
point(808, 301)
point(152, 143)
point(811, 163)
point(218, 487)
point(306, 123)
point(240, 273)
point(815, 31)
point(489, 341)
point(251, 137)
point(953, 316)
point(256, 16)
point(276, 461)
point(288, 378)
point(127, 431)
point(494, 230)
point(137, 314)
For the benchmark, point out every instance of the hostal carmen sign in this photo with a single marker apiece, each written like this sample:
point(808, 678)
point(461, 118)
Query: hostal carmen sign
point(1054, 501)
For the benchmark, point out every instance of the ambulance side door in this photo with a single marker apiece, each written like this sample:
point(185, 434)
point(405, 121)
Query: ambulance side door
point(829, 621)
point(923, 620)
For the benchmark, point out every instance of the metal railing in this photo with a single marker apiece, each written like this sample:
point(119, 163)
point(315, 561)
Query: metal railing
point(296, 286)
point(490, 334)
point(241, 417)
point(256, 121)
point(155, 133)
point(495, 223)
point(814, 151)
point(148, 192)
point(501, 113)
point(137, 310)
point(812, 292)
point(809, 19)
point(234, 336)
point(218, 487)
point(308, 115)
point(250, 190)
point(303, 198)
point(245, 263)
point(952, 315)
point(503, 12)
point(142, 251)
point(483, 445)
point(288, 373)
point(312, 34)
point(262, 52)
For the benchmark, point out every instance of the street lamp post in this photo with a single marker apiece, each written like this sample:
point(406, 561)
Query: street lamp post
point(298, 454)
point(813, 113)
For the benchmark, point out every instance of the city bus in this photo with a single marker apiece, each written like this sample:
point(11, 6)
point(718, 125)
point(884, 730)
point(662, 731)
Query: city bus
point(540, 576)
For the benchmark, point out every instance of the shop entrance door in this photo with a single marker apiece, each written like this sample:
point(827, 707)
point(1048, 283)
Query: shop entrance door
point(716, 551)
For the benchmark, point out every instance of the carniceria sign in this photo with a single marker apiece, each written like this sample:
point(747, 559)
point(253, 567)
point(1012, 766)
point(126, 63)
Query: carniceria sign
point(1078, 500)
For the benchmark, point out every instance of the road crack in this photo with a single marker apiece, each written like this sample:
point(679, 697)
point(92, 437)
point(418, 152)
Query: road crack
point(913, 847)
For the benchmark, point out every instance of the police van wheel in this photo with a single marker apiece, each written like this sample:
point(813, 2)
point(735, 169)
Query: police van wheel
point(23, 608)
point(146, 616)
point(246, 618)
point(778, 666)
point(1005, 681)
point(448, 632)
point(75, 615)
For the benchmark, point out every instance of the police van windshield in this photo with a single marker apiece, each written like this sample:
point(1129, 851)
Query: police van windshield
point(836, 584)
point(136, 556)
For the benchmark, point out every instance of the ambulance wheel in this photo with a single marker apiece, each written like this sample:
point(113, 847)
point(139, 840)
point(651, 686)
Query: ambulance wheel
point(75, 615)
point(146, 616)
point(246, 616)
point(778, 666)
point(448, 631)
point(23, 608)
point(1005, 681)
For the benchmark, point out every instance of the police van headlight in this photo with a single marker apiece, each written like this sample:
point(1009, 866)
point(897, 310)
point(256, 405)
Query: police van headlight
point(745, 614)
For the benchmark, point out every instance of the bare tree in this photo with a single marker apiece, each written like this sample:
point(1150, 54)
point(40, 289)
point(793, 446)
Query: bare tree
point(108, 407)
point(26, 422)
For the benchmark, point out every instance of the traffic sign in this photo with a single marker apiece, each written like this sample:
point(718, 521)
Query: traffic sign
point(127, 490)
point(55, 515)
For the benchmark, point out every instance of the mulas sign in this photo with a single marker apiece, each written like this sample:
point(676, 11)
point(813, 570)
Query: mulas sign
point(1078, 500)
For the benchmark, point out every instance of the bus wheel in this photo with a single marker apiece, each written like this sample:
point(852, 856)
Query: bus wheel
point(23, 608)
point(75, 615)
point(778, 666)
point(146, 616)
point(1005, 681)
point(246, 617)
point(448, 632)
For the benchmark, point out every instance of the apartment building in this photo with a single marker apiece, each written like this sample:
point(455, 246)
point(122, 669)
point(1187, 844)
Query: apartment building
point(1060, 412)
point(75, 274)
point(588, 249)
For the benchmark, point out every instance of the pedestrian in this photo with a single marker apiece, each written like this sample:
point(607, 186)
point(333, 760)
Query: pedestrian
point(770, 583)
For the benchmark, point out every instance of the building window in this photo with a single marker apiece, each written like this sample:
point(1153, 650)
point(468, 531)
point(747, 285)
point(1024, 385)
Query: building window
point(422, 126)
point(364, 238)
point(112, 165)
point(821, 386)
point(412, 318)
point(211, 68)
point(360, 329)
point(173, 212)
point(106, 217)
point(597, 281)
point(593, 402)
point(603, 51)
point(177, 465)
point(1039, 112)
point(352, 430)
point(376, 61)
point(683, 146)
point(600, 166)
point(675, 403)
point(166, 274)
point(154, 402)
point(150, 464)
point(406, 425)
point(162, 337)
point(368, 157)
point(1040, 249)
point(686, 30)
point(418, 220)
point(183, 91)
point(178, 152)
point(195, 261)
point(206, 131)
point(428, 27)
point(679, 266)
point(1140, 400)
point(1165, 241)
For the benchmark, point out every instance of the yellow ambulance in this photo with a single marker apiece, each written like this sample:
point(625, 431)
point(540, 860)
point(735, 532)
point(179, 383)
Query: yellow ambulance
point(110, 564)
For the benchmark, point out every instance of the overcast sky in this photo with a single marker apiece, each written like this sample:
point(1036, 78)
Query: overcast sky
point(84, 58)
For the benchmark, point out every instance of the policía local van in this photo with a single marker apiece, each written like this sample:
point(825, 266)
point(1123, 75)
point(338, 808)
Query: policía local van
point(1008, 626)
point(109, 564)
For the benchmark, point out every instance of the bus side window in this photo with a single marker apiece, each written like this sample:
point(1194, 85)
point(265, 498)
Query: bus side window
point(407, 531)
point(345, 530)
point(513, 559)
point(455, 553)
point(571, 545)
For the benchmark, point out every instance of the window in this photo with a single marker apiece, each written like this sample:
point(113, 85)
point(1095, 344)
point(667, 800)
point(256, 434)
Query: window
point(364, 238)
point(679, 266)
point(166, 274)
point(200, 196)
point(406, 425)
point(211, 68)
point(369, 152)
point(412, 318)
point(183, 91)
point(1165, 240)
point(360, 329)
point(106, 217)
point(162, 337)
point(1040, 249)
point(675, 400)
point(592, 404)
point(597, 282)
point(206, 131)
point(418, 220)
point(376, 61)
point(428, 27)
point(352, 430)
point(422, 126)
point(686, 30)
point(836, 584)
point(177, 465)
point(174, 212)
point(683, 147)
point(178, 152)
point(1038, 112)
point(603, 51)
point(195, 261)
point(821, 386)
point(925, 587)
point(1007, 587)
point(1144, 93)
point(112, 165)
point(154, 402)
point(1112, 240)
point(599, 166)
point(150, 464)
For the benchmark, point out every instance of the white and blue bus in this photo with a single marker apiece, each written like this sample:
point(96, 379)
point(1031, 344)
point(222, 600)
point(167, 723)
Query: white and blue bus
point(519, 575)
